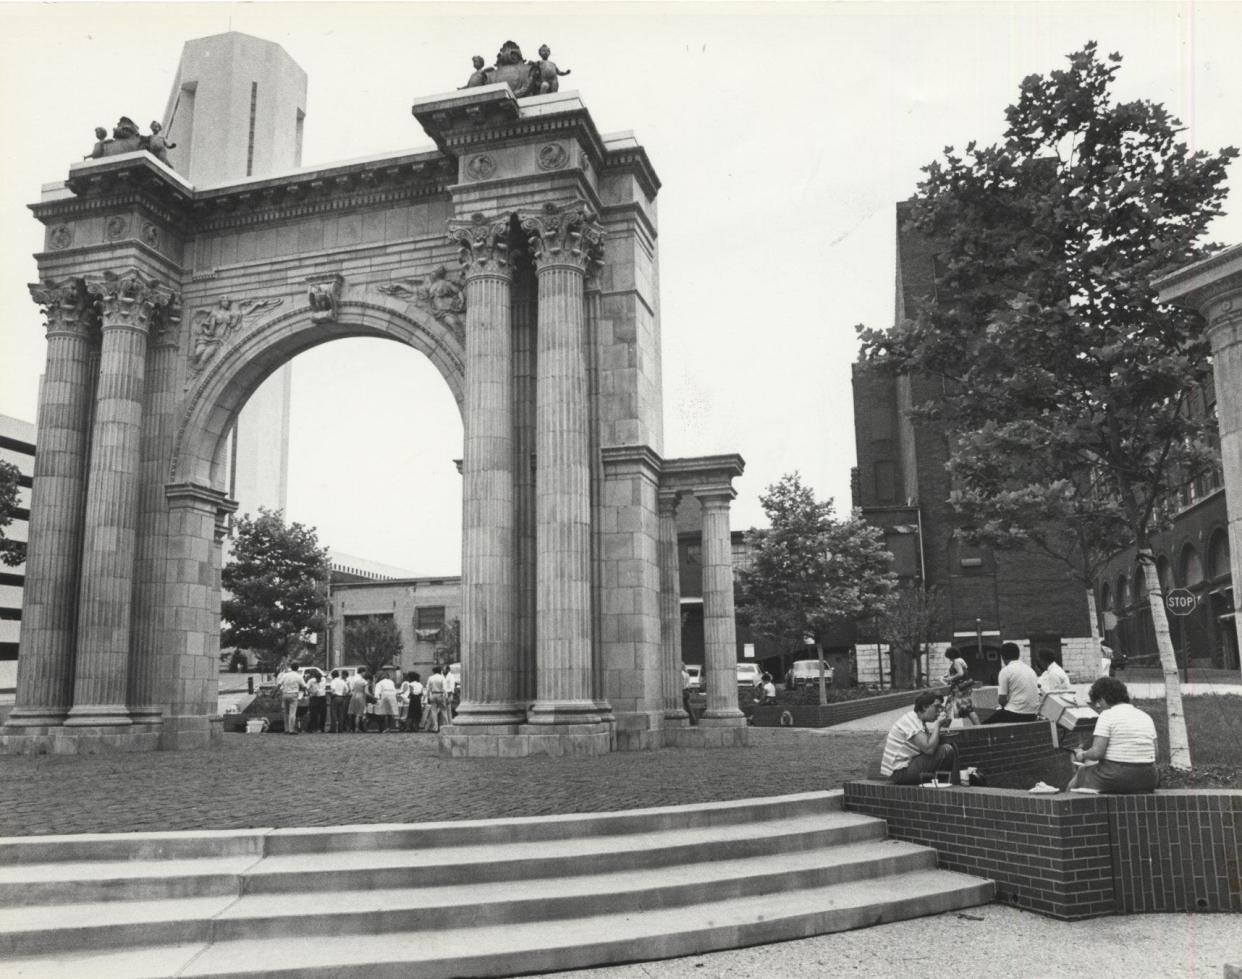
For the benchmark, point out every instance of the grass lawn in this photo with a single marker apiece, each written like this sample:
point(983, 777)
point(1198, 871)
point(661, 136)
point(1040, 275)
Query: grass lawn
point(1214, 724)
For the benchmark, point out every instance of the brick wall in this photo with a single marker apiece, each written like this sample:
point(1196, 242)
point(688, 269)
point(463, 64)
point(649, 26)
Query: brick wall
point(1075, 856)
point(1012, 756)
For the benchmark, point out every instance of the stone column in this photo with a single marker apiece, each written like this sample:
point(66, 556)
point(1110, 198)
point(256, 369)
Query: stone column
point(670, 607)
point(127, 303)
point(57, 501)
point(719, 631)
point(489, 588)
point(524, 293)
point(152, 574)
point(565, 242)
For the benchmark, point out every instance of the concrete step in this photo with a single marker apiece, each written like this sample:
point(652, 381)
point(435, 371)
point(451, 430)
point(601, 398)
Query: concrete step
point(514, 948)
point(485, 898)
point(31, 929)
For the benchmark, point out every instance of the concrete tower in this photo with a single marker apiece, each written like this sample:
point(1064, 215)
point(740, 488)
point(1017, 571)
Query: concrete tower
point(236, 110)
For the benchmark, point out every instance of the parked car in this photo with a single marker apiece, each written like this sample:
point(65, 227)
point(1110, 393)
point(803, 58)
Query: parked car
point(748, 674)
point(805, 672)
point(696, 675)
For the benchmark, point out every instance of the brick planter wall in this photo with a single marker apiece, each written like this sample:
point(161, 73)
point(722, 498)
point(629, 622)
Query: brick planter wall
point(1075, 856)
point(815, 715)
point(1012, 756)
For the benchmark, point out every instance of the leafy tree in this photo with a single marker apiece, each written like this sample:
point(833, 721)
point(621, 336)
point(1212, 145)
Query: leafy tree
point(12, 552)
point(448, 649)
point(810, 570)
point(277, 584)
point(1066, 379)
point(374, 642)
point(908, 625)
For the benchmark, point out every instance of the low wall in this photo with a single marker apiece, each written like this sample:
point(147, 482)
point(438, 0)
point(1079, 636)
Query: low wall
point(1074, 856)
point(826, 715)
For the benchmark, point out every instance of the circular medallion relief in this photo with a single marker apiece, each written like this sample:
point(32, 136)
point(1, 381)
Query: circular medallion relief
point(61, 236)
point(114, 227)
point(151, 234)
point(481, 167)
point(552, 157)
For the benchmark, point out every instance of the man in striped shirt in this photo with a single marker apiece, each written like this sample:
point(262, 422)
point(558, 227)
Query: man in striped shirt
point(913, 749)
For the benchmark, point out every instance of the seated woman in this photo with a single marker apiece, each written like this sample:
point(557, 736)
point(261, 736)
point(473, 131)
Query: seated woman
point(1124, 744)
point(913, 751)
point(1053, 679)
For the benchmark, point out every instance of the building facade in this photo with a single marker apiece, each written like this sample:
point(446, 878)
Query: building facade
point(17, 446)
point(902, 486)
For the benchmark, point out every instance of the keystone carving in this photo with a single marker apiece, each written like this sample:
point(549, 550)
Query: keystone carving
point(213, 327)
point(567, 234)
point(323, 293)
point(483, 244)
point(67, 306)
point(131, 299)
point(442, 295)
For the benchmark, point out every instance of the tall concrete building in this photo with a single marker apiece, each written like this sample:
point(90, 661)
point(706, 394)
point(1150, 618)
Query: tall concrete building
point(236, 110)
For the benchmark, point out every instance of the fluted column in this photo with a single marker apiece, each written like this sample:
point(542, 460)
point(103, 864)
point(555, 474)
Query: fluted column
point(147, 692)
point(524, 291)
point(127, 303)
point(57, 500)
point(719, 630)
point(670, 607)
point(489, 591)
point(565, 242)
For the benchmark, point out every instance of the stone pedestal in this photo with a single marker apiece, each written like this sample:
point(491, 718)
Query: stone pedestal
point(49, 613)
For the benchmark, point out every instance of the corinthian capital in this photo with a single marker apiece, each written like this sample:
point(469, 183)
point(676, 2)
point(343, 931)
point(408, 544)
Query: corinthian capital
point(131, 299)
point(67, 306)
point(565, 234)
point(482, 242)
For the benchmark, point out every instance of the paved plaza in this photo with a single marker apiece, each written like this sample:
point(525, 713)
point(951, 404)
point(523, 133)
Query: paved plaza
point(328, 779)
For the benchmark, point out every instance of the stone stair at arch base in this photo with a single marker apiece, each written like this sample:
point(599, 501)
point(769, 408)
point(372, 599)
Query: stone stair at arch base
point(482, 898)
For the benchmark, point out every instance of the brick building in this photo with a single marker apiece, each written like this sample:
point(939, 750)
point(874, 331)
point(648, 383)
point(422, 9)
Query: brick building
point(902, 486)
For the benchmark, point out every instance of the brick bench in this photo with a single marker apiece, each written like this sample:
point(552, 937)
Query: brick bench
point(1073, 856)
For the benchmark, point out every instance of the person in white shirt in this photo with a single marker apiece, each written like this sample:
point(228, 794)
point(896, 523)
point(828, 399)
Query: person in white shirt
point(913, 750)
point(290, 684)
point(1123, 744)
point(1053, 679)
point(1017, 689)
point(414, 698)
point(357, 711)
point(386, 703)
point(338, 701)
point(437, 700)
point(1106, 659)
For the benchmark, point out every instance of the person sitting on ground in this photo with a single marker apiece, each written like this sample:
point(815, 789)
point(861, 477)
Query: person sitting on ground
point(1124, 744)
point(957, 667)
point(913, 749)
point(1017, 689)
point(1053, 679)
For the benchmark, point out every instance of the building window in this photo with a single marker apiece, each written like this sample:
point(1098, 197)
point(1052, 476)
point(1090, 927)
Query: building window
point(428, 623)
point(885, 482)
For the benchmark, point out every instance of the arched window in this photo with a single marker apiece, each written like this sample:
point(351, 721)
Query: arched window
point(1106, 598)
point(1191, 567)
point(1218, 556)
point(1139, 591)
point(1123, 594)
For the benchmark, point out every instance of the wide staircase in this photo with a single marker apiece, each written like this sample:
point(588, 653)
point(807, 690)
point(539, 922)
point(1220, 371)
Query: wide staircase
point(481, 898)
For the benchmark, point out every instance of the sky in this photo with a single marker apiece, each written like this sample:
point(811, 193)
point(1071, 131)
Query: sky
point(783, 135)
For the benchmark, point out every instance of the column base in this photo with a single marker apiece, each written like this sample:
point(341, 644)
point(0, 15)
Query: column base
point(35, 717)
point(565, 712)
point(105, 740)
point(188, 732)
point(99, 715)
point(677, 716)
point(146, 715)
point(729, 717)
point(471, 714)
point(527, 740)
point(706, 737)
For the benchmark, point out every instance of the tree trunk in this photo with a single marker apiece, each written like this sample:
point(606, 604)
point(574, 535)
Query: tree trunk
point(1179, 743)
point(823, 684)
point(904, 664)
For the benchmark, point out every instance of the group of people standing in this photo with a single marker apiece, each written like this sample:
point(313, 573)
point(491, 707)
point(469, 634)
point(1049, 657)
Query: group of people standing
point(345, 703)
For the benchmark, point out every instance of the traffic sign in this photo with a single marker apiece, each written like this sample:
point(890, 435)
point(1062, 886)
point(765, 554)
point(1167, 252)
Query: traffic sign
point(1179, 601)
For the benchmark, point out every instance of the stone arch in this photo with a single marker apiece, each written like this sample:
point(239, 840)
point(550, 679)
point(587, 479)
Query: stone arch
point(1190, 567)
point(205, 420)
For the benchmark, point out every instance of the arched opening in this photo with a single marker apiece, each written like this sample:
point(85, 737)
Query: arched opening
point(1190, 569)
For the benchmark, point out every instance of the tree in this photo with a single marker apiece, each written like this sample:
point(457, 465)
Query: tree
point(374, 642)
point(908, 625)
point(1066, 379)
point(811, 571)
point(448, 649)
point(277, 584)
point(12, 552)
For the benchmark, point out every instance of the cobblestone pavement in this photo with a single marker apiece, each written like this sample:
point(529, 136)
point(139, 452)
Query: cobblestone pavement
point(328, 779)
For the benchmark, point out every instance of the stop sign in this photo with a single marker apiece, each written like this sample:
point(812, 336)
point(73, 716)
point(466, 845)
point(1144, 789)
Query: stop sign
point(1180, 601)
